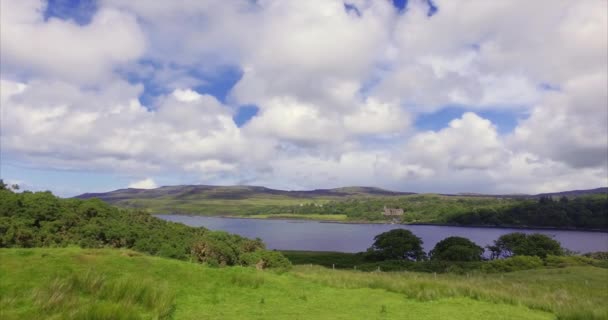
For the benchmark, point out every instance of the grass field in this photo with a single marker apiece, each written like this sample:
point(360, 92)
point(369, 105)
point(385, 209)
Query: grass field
point(74, 283)
point(340, 260)
point(211, 207)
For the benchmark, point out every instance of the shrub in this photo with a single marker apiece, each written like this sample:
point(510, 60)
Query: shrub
point(40, 219)
point(512, 264)
point(572, 261)
point(264, 259)
point(214, 253)
point(599, 255)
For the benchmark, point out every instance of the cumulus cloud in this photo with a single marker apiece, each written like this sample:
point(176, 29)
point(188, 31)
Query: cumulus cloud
point(109, 129)
point(470, 142)
point(147, 183)
point(62, 49)
point(338, 92)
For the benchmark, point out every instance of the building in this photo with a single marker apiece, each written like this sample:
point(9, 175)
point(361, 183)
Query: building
point(392, 212)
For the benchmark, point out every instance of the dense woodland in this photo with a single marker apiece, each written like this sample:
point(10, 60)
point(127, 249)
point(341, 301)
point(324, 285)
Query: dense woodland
point(590, 212)
point(40, 219)
point(586, 212)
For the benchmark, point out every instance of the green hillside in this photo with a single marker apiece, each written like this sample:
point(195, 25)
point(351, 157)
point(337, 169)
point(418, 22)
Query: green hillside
point(348, 203)
point(73, 283)
point(229, 200)
point(583, 209)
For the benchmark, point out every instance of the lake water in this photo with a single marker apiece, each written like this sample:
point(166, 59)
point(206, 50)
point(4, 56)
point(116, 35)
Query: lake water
point(323, 236)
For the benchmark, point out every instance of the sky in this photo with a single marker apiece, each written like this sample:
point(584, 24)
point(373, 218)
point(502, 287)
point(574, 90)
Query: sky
point(416, 95)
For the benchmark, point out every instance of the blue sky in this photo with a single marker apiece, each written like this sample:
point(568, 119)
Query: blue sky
point(404, 95)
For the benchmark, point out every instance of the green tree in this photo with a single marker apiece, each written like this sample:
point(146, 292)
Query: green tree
point(456, 249)
point(397, 244)
point(521, 244)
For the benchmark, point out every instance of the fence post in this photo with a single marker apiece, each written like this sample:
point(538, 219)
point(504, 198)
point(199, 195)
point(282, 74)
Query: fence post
point(333, 266)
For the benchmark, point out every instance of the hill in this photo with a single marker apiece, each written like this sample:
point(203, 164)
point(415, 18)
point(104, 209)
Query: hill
point(355, 204)
point(228, 200)
point(575, 193)
point(194, 192)
point(73, 283)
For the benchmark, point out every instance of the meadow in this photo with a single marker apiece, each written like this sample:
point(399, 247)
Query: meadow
point(74, 283)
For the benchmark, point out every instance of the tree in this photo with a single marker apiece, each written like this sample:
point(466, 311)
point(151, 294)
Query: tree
point(456, 249)
point(521, 244)
point(397, 244)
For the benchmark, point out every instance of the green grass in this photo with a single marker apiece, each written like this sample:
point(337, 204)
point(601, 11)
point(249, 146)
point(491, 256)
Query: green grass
point(119, 284)
point(571, 293)
point(214, 207)
point(426, 208)
point(340, 260)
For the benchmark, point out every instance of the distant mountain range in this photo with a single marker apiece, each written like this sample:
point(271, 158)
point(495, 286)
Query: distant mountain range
point(199, 192)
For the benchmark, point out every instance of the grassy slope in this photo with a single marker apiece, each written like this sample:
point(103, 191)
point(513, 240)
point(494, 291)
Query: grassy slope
point(354, 204)
point(571, 293)
point(32, 279)
point(419, 208)
point(227, 200)
point(214, 206)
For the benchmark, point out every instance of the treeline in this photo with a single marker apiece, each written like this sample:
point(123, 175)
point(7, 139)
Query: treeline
point(401, 250)
point(417, 208)
point(586, 212)
point(590, 212)
point(40, 219)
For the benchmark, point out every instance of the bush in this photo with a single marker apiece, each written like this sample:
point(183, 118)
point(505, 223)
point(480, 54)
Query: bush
point(42, 220)
point(512, 264)
point(600, 255)
point(573, 261)
point(263, 259)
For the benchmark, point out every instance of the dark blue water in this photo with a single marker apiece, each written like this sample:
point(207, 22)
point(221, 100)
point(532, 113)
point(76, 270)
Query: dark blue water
point(322, 236)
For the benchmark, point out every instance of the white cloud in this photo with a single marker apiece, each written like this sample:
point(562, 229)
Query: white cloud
point(147, 183)
point(59, 125)
point(470, 142)
point(337, 92)
point(570, 125)
point(62, 49)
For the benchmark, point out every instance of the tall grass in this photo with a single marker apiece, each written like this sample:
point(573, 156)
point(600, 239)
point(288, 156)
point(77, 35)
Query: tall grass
point(569, 293)
point(92, 296)
point(247, 279)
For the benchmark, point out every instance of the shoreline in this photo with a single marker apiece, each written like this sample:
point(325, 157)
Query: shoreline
point(389, 223)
